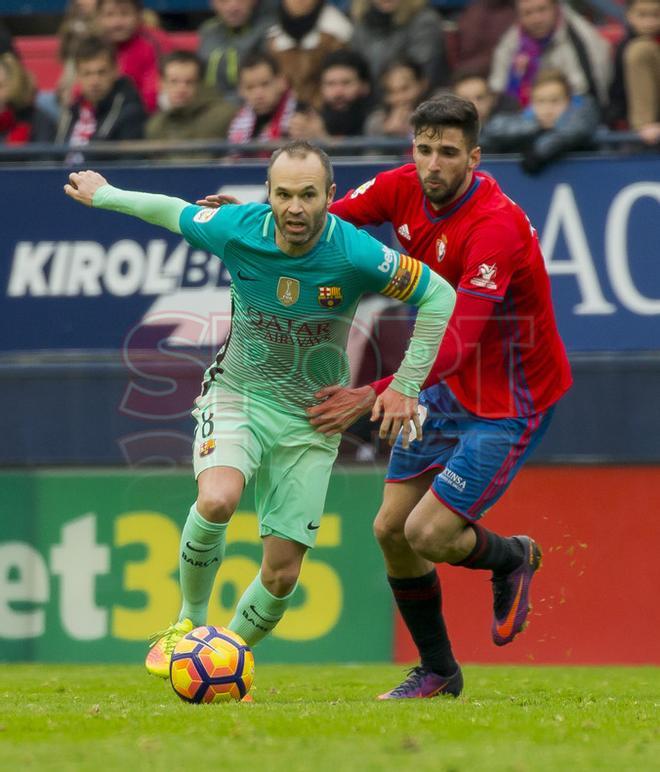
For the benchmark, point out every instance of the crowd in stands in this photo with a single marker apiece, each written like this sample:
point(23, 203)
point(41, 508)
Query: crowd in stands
point(542, 75)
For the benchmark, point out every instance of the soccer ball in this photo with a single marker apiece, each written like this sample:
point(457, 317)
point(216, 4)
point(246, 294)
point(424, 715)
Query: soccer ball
point(211, 664)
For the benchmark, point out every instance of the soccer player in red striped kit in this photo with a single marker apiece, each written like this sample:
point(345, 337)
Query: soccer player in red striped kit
point(499, 372)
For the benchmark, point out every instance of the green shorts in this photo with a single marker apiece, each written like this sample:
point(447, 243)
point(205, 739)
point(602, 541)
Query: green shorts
point(291, 462)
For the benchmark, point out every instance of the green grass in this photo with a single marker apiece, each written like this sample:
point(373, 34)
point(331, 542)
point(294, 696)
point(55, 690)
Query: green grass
point(56, 717)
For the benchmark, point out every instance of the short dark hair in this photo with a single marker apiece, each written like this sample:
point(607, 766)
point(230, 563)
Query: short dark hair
point(448, 110)
point(182, 57)
point(345, 57)
point(137, 4)
point(92, 47)
point(255, 58)
point(405, 62)
point(553, 75)
point(300, 148)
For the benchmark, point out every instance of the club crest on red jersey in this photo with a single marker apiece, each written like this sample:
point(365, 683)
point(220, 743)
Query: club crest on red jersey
point(441, 247)
point(330, 297)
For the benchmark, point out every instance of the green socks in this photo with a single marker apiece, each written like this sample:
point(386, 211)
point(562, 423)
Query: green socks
point(258, 612)
point(202, 550)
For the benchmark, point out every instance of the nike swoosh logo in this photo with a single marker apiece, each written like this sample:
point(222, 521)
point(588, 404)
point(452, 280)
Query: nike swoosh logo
point(244, 277)
point(194, 549)
point(312, 527)
point(263, 619)
point(505, 628)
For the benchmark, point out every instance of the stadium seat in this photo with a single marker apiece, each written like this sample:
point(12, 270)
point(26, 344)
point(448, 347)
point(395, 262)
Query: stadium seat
point(39, 54)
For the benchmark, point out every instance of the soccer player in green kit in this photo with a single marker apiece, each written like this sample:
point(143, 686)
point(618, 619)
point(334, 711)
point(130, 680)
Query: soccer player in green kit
point(297, 276)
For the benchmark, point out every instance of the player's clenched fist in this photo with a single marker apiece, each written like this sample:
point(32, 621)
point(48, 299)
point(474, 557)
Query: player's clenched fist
point(82, 186)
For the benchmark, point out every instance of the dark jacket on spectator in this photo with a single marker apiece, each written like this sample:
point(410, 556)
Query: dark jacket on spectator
point(521, 133)
point(119, 116)
point(207, 117)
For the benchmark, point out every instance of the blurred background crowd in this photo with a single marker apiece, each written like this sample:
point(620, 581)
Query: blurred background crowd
point(547, 77)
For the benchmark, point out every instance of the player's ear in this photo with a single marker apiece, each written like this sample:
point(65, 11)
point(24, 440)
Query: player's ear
point(331, 193)
point(475, 157)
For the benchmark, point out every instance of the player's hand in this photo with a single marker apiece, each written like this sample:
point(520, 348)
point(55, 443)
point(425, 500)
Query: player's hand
point(397, 412)
point(82, 186)
point(217, 200)
point(341, 408)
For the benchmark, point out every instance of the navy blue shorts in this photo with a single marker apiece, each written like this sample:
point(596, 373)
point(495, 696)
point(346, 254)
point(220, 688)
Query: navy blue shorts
point(478, 457)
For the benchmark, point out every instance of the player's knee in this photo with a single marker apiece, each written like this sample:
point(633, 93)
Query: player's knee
point(279, 580)
point(216, 506)
point(388, 530)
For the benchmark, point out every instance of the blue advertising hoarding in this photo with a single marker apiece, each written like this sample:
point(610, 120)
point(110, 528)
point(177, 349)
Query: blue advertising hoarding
point(84, 279)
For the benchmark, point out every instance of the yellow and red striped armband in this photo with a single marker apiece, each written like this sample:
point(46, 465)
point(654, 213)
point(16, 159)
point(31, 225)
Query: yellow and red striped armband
point(405, 280)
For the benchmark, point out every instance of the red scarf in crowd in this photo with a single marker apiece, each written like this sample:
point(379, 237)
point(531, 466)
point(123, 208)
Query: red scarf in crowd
point(12, 130)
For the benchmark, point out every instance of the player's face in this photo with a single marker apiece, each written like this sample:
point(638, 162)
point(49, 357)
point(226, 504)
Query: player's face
point(297, 194)
point(96, 77)
point(444, 163)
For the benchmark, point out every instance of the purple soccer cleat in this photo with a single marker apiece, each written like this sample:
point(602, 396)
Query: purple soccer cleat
point(422, 682)
point(511, 594)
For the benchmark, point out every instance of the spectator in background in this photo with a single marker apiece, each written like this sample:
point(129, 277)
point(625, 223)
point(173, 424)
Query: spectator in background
point(238, 28)
point(78, 24)
point(188, 111)
point(549, 34)
point(635, 90)
point(480, 26)
point(555, 123)
point(139, 49)
point(268, 105)
point(6, 45)
point(344, 91)
point(389, 29)
point(403, 86)
point(474, 87)
point(20, 120)
point(306, 32)
point(108, 106)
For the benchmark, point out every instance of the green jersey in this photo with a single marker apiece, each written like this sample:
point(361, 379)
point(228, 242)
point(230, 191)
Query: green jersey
point(291, 316)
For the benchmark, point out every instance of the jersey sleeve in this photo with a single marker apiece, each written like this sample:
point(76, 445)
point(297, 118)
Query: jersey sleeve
point(209, 229)
point(366, 204)
point(491, 258)
point(387, 271)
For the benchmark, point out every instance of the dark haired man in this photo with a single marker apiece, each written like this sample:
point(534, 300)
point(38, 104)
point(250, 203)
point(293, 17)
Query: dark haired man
point(344, 99)
point(189, 111)
point(297, 276)
point(108, 106)
point(491, 392)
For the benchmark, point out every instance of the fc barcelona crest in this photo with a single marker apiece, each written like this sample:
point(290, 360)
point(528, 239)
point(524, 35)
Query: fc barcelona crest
point(441, 247)
point(330, 297)
point(288, 290)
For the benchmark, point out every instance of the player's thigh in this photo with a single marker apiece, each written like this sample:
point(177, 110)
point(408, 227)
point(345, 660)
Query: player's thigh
point(399, 500)
point(485, 461)
point(292, 482)
point(227, 434)
point(432, 523)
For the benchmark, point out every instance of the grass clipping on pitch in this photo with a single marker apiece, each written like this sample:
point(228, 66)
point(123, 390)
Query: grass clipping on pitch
point(94, 717)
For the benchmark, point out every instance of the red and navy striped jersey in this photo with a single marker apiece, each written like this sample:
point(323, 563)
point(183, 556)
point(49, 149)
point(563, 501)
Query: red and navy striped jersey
point(485, 246)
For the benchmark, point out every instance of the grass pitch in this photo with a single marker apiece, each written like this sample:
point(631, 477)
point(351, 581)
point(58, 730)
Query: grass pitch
point(68, 717)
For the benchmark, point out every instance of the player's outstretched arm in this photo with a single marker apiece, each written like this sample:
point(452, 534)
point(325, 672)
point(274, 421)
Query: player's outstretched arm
point(398, 403)
point(92, 189)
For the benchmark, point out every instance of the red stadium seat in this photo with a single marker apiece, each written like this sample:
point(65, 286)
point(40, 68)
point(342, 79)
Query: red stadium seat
point(39, 54)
